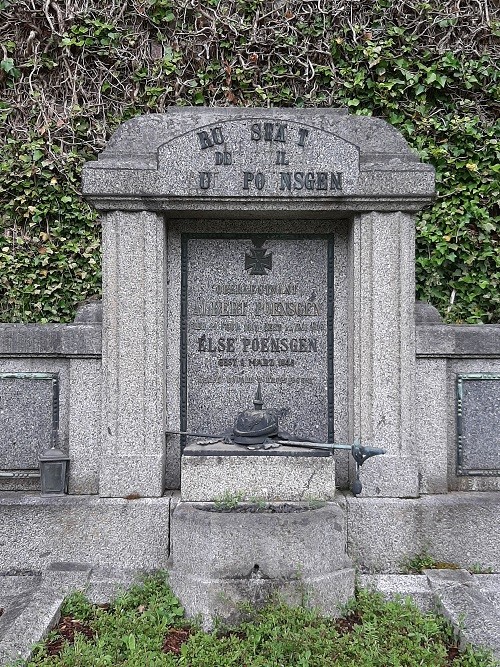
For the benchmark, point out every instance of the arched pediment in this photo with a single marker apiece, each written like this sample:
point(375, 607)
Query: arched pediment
point(312, 158)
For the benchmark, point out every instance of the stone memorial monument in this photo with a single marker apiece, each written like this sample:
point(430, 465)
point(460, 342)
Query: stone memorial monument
point(258, 288)
point(285, 241)
point(246, 246)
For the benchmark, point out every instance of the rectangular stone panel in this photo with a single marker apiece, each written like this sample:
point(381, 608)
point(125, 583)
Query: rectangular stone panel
point(478, 424)
point(257, 309)
point(28, 418)
point(271, 478)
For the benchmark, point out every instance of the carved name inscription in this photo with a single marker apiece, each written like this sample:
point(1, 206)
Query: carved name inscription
point(263, 158)
point(240, 328)
point(288, 180)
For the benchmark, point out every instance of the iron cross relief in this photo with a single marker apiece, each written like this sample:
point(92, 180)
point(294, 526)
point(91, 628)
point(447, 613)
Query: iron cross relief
point(258, 262)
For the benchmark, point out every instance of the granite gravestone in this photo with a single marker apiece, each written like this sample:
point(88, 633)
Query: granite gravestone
point(257, 309)
point(478, 424)
point(29, 411)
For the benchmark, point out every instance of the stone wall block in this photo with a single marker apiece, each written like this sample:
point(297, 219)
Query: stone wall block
point(258, 478)
point(431, 432)
point(114, 532)
point(460, 528)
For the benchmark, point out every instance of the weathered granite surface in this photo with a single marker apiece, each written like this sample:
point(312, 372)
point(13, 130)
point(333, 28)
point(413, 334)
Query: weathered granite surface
point(383, 350)
point(50, 340)
point(35, 531)
point(89, 311)
point(432, 406)
point(84, 427)
point(460, 528)
point(458, 340)
point(458, 597)
point(132, 458)
point(39, 615)
point(242, 154)
point(425, 313)
point(289, 477)
point(221, 559)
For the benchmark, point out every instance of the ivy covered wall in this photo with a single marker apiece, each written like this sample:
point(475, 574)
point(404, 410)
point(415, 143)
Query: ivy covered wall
point(72, 70)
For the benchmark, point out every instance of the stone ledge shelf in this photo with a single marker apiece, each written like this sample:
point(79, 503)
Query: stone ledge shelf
point(461, 341)
point(212, 472)
point(82, 340)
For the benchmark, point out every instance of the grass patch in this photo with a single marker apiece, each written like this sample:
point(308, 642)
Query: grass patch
point(145, 627)
point(424, 561)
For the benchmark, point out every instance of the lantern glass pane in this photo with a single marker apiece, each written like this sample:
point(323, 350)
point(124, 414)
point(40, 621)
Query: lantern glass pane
point(53, 477)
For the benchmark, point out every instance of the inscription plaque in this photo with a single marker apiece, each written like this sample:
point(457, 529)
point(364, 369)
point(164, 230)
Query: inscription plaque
point(259, 157)
point(29, 415)
point(478, 424)
point(257, 309)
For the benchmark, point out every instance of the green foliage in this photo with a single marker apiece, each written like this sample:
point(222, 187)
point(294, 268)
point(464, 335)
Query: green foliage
point(417, 564)
point(477, 568)
point(424, 561)
point(94, 32)
point(49, 237)
point(69, 79)
point(77, 606)
point(130, 632)
point(7, 65)
point(372, 633)
point(229, 501)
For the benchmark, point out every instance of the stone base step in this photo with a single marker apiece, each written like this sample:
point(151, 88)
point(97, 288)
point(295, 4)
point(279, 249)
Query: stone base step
point(16, 592)
point(474, 616)
point(38, 615)
point(32, 603)
point(470, 602)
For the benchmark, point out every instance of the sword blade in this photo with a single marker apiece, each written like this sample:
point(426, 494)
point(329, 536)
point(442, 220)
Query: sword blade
point(328, 446)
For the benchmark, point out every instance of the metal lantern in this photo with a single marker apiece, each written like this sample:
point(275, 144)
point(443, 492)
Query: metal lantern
point(54, 465)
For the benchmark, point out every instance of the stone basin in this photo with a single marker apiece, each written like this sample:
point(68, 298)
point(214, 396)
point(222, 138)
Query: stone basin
point(224, 558)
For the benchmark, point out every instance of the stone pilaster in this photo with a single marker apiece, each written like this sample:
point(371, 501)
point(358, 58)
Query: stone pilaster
point(84, 425)
point(431, 427)
point(383, 350)
point(133, 418)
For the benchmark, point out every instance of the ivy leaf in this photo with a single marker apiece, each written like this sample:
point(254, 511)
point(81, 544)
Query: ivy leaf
point(7, 65)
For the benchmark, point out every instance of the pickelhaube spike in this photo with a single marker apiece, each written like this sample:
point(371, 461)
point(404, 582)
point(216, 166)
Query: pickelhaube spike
point(257, 401)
